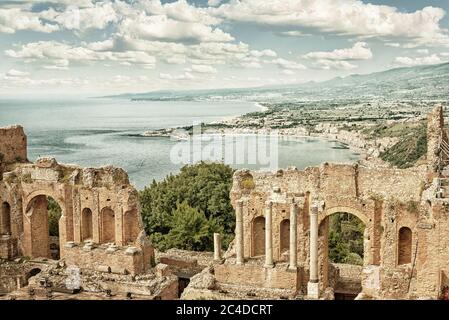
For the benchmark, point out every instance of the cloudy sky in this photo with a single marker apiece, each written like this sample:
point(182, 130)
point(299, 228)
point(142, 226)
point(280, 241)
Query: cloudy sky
point(115, 46)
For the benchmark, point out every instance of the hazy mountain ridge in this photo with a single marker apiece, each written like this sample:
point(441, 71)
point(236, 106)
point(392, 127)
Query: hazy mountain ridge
point(420, 82)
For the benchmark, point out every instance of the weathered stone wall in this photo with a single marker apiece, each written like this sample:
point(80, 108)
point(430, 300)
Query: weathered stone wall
point(252, 274)
point(384, 199)
point(104, 193)
point(13, 145)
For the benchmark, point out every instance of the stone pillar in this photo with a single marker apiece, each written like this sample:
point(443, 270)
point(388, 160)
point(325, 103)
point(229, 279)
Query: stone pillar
point(239, 232)
point(313, 285)
point(268, 235)
point(293, 264)
point(217, 247)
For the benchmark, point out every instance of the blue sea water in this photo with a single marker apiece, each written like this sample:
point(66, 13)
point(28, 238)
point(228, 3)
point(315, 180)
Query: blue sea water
point(96, 132)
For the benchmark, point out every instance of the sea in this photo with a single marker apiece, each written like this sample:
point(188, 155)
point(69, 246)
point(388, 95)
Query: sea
point(95, 132)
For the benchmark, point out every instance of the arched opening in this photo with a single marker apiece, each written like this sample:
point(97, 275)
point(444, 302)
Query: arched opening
point(5, 219)
point(342, 255)
point(404, 246)
point(284, 237)
point(107, 225)
point(130, 226)
point(33, 272)
point(86, 223)
point(44, 213)
point(258, 243)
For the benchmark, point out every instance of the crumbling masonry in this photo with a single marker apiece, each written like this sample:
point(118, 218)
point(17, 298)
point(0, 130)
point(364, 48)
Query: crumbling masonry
point(100, 230)
point(282, 219)
point(282, 227)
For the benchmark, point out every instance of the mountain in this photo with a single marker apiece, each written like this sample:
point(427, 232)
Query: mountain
point(410, 83)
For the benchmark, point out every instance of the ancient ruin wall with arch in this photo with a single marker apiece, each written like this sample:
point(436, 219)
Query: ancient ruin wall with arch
point(405, 216)
point(100, 223)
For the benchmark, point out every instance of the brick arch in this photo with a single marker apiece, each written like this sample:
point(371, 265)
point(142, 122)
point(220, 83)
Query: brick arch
point(107, 225)
point(36, 233)
point(28, 198)
point(323, 227)
point(258, 236)
point(351, 210)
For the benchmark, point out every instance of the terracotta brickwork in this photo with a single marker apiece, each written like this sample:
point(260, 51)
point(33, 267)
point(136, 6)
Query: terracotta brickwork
point(100, 222)
point(406, 224)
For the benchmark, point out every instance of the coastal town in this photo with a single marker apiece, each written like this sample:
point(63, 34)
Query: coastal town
point(370, 128)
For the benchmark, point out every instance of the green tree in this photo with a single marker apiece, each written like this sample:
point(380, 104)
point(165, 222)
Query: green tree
point(190, 229)
point(346, 239)
point(204, 187)
point(54, 214)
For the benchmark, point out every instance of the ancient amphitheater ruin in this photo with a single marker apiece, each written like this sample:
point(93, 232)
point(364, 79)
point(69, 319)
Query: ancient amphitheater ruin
point(280, 248)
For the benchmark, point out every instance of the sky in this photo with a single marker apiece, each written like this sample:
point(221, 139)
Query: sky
point(91, 47)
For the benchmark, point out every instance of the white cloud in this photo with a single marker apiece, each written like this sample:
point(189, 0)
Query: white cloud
point(56, 51)
point(408, 61)
point(184, 76)
point(288, 72)
point(423, 51)
point(17, 73)
point(333, 65)
point(251, 65)
point(214, 3)
point(293, 33)
point(166, 29)
point(179, 10)
point(75, 18)
point(288, 64)
point(392, 44)
point(263, 53)
point(14, 19)
point(359, 51)
point(62, 64)
point(203, 69)
point(350, 17)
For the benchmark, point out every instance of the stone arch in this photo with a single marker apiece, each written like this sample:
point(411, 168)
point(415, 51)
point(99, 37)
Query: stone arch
point(330, 211)
point(37, 239)
point(86, 224)
point(47, 193)
point(327, 278)
point(258, 236)
point(130, 226)
point(284, 232)
point(405, 236)
point(107, 217)
point(5, 219)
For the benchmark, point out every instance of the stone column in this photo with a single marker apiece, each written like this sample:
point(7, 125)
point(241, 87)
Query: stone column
point(313, 285)
point(268, 235)
point(217, 247)
point(239, 232)
point(293, 264)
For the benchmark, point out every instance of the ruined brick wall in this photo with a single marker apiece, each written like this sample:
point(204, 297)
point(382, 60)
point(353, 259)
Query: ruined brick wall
point(84, 196)
point(13, 145)
point(435, 132)
point(385, 199)
point(249, 274)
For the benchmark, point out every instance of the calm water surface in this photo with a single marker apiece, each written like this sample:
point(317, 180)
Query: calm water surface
point(96, 132)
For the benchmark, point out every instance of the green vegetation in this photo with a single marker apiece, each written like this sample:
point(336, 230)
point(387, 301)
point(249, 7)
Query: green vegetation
point(54, 214)
point(184, 210)
point(346, 239)
point(411, 148)
point(397, 130)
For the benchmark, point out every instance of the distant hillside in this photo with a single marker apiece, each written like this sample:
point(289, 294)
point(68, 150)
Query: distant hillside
point(421, 82)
